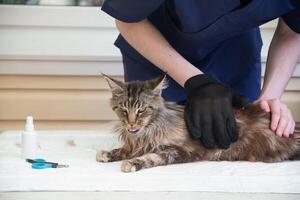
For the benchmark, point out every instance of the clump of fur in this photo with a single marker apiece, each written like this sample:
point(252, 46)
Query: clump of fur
point(153, 132)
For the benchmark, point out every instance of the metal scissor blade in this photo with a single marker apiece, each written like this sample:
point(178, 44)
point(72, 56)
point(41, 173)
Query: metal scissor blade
point(30, 160)
point(62, 166)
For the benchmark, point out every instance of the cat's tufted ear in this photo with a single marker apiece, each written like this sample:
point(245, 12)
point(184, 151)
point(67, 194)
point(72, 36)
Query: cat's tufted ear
point(158, 84)
point(115, 85)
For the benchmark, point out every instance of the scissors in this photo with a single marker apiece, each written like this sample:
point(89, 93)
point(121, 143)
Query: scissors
point(40, 163)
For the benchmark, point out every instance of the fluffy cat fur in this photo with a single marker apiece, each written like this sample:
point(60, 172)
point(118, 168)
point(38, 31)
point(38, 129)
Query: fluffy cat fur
point(153, 133)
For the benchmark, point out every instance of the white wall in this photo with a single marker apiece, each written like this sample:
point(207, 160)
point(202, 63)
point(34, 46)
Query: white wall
point(66, 41)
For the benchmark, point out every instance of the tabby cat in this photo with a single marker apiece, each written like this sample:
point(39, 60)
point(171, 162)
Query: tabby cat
point(152, 131)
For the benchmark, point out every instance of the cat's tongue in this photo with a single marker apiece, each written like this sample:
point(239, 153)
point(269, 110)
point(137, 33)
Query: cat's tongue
point(133, 130)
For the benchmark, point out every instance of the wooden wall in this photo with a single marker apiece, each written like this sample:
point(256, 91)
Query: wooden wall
point(49, 60)
point(56, 102)
point(72, 102)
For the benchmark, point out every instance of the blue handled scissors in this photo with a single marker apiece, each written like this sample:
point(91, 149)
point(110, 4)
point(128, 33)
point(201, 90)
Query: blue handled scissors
point(40, 163)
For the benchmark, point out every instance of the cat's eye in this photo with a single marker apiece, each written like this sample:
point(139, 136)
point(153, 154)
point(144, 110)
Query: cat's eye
point(140, 111)
point(114, 108)
point(124, 111)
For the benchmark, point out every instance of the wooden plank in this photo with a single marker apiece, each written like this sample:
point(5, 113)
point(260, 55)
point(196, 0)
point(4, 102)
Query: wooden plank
point(294, 84)
point(292, 99)
point(77, 82)
point(54, 82)
point(73, 102)
point(60, 67)
point(55, 105)
point(55, 16)
point(76, 104)
point(59, 33)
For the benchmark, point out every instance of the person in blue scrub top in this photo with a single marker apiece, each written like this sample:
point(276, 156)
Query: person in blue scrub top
point(210, 50)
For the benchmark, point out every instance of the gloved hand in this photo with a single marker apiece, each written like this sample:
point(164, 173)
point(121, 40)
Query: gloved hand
point(209, 114)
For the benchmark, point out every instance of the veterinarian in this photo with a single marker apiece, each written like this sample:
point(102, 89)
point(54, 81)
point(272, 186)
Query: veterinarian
point(211, 52)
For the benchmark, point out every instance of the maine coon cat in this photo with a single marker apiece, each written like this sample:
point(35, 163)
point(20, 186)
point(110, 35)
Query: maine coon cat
point(152, 131)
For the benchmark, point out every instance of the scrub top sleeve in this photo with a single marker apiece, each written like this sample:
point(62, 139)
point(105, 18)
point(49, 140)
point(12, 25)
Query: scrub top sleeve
point(130, 11)
point(292, 19)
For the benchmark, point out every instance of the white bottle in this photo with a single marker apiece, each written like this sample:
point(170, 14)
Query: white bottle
point(29, 141)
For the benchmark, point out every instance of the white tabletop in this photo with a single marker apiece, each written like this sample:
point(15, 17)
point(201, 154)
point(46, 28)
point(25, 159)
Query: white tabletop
point(78, 150)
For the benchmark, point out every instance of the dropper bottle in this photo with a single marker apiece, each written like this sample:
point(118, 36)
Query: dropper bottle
point(29, 140)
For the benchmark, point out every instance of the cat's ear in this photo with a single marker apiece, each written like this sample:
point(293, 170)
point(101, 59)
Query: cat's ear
point(115, 85)
point(158, 84)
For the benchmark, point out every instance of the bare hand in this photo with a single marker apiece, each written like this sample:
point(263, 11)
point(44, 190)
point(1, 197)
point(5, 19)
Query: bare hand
point(282, 122)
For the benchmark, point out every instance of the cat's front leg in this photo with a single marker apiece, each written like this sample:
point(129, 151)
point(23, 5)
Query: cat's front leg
point(155, 159)
point(111, 156)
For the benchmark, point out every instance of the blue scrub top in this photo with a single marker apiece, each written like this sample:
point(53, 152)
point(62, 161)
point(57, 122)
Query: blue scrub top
point(220, 37)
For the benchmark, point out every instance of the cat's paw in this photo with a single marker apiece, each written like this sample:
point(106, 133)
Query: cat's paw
point(127, 166)
point(103, 156)
point(130, 166)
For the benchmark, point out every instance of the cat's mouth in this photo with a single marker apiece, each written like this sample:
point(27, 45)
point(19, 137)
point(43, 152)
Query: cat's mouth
point(133, 130)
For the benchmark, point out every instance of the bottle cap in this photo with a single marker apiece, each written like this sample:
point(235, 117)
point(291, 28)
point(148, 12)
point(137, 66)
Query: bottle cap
point(29, 124)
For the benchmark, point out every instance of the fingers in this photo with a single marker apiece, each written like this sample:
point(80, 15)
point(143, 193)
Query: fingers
point(293, 127)
point(287, 131)
point(232, 128)
point(264, 105)
point(208, 139)
point(282, 122)
point(286, 123)
point(293, 122)
point(193, 128)
point(220, 130)
point(275, 113)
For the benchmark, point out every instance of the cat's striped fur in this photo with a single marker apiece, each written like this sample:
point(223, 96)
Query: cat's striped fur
point(153, 132)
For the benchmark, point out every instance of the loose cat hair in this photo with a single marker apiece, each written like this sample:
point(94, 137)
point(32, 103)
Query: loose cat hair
point(153, 132)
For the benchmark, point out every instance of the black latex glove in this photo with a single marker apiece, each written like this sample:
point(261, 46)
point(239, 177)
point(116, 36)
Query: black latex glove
point(209, 114)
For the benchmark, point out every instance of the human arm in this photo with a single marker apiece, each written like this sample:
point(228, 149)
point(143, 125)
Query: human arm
point(149, 42)
point(284, 53)
point(208, 112)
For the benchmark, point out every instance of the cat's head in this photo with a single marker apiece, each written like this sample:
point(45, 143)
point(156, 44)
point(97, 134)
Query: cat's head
point(136, 103)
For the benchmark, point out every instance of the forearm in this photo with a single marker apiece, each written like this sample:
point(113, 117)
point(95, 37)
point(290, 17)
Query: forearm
point(283, 56)
point(150, 43)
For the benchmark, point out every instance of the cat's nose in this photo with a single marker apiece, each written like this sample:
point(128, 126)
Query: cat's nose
point(131, 119)
point(132, 125)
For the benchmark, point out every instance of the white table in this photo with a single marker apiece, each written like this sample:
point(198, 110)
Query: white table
point(210, 180)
